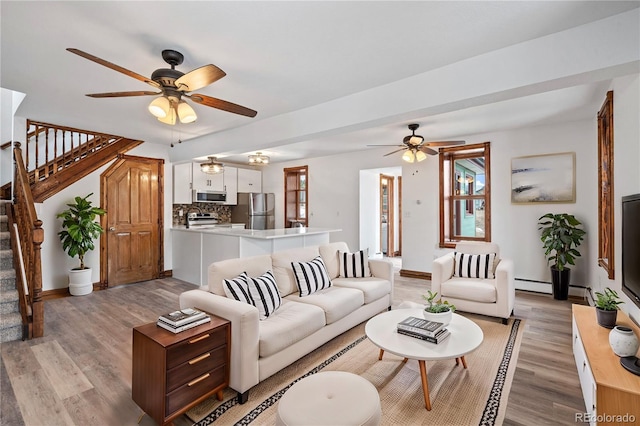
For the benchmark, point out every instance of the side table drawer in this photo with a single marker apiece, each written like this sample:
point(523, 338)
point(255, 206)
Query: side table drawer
point(196, 346)
point(188, 392)
point(196, 367)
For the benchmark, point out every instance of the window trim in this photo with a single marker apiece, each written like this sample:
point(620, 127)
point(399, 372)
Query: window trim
point(446, 154)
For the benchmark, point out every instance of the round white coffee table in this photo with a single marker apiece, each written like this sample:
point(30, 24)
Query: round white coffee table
point(465, 337)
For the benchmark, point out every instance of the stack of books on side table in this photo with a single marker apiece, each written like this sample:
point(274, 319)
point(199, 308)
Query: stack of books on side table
point(430, 331)
point(182, 320)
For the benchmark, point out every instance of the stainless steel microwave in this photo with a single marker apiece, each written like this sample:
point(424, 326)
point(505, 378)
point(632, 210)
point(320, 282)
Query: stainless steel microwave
point(204, 196)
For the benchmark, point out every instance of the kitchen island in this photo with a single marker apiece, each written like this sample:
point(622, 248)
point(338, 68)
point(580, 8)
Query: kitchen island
point(194, 249)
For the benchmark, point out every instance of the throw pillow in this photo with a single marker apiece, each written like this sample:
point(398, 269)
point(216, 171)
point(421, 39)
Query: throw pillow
point(311, 276)
point(238, 288)
point(474, 265)
point(354, 265)
point(265, 294)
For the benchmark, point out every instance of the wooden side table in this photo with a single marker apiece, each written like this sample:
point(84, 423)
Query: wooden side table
point(174, 372)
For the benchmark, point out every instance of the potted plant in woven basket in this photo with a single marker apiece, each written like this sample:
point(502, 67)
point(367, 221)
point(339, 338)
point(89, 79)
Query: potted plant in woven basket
point(437, 310)
point(79, 230)
point(607, 307)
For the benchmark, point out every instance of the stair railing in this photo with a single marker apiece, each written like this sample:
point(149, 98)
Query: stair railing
point(29, 238)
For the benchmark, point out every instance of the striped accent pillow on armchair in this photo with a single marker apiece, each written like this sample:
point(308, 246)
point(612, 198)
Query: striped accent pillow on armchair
point(474, 265)
point(354, 265)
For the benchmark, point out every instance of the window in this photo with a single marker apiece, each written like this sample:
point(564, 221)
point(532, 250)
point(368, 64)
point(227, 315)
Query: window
point(465, 196)
point(296, 202)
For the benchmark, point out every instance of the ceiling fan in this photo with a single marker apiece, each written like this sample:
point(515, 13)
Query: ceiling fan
point(173, 85)
point(416, 148)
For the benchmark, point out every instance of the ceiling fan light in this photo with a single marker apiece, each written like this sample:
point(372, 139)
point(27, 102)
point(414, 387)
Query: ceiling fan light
point(212, 167)
point(408, 156)
point(160, 107)
point(186, 113)
point(170, 118)
point(415, 140)
point(420, 156)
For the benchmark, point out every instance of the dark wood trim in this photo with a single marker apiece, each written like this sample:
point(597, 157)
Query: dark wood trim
point(297, 171)
point(399, 251)
point(5, 145)
point(166, 274)
point(606, 236)
point(415, 274)
point(58, 293)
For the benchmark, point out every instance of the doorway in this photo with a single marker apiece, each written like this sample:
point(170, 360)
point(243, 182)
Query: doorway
point(131, 194)
point(387, 215)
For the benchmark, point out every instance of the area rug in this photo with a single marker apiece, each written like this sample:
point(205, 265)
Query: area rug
point(473, 396)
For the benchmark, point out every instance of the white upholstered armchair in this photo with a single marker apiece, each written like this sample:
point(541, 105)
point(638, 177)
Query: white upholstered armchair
point(475, 281)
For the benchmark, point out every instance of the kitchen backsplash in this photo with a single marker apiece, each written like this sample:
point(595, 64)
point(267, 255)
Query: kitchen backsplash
point(223, 212)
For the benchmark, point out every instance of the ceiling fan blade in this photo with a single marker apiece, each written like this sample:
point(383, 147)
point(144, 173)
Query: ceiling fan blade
point(199, 78)
point(393, 152)
point(223, 105)
point(113, 66)
point(122, 94)
point(444, 143)
point(428, 150)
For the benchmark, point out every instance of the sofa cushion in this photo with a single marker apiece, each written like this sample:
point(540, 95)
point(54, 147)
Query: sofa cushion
point(474, 265)
point(373, 288)
point(238, 288)
point(311, 276)
point(354, 265)
point(291, 323)
point(329, 253)
point(231, 268)
point(282, 270)
point(265, 294)
point(336, 302)
point(475, 289)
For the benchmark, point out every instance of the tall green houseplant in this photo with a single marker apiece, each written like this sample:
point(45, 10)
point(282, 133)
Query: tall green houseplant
point(561, 235)
point(80, 228)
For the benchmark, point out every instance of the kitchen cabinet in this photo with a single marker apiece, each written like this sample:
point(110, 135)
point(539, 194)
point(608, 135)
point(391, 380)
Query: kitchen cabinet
point(182, 183)
point(231, 185)
point(174, 372)
point(206, 181)
point(249, 180)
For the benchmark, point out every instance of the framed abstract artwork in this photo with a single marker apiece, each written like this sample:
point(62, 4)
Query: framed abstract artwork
point(549, 178)
point(605, 187)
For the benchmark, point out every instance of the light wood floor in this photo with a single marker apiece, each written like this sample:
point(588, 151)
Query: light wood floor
point(80, 372)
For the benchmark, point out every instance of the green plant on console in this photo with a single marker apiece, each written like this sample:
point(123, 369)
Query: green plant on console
point(79, 228)
point(561, 236)
point(608, 300)
point(437, 306)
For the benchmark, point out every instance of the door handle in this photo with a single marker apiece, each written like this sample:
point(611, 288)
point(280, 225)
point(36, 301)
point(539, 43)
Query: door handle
point(112, 228)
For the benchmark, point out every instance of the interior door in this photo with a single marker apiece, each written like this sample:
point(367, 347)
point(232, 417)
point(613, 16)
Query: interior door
point(387, 215)
point(133, 223)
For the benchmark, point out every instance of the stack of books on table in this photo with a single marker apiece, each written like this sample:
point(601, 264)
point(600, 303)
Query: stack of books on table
point(182, 320)
point(430, 331)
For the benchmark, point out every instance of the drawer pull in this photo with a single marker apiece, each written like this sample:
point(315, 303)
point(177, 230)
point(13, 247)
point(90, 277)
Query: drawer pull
point(200, 358)
point(199, 379)
point(206, 336)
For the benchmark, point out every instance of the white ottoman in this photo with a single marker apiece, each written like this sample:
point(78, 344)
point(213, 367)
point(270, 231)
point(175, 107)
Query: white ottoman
point(330, 398)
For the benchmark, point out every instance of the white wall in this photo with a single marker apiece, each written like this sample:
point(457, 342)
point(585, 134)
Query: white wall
point(55, 261)
point(10, 100)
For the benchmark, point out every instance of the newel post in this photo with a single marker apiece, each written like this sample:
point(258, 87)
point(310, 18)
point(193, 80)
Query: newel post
point(38, 304)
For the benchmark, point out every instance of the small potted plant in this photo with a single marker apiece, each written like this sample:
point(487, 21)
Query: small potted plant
point(560, 236)
point(607, 307)
point(437, 310)
point(79, 230)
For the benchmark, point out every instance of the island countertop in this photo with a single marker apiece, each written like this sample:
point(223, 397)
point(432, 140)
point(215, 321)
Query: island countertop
point(264, 234)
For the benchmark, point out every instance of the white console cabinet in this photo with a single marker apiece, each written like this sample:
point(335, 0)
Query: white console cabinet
point(611, 393)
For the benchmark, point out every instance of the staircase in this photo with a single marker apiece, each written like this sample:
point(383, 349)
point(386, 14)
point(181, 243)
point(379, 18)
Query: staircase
point(10, 318)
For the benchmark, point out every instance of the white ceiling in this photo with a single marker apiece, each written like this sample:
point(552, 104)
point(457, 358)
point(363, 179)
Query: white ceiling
point(279, 57)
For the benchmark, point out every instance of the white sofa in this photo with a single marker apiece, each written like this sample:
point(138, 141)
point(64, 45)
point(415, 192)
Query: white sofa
point(494, 297)
point(301, 324)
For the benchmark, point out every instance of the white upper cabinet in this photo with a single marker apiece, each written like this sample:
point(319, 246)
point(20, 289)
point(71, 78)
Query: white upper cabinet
point(182, 183)
point(231, 185)
point(206, 181)
point(249, 180)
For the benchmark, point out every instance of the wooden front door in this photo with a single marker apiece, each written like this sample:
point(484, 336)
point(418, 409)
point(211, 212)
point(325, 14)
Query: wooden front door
point(131, 194)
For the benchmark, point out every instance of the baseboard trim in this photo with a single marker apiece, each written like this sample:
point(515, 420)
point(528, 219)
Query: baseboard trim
point(415, 274)
point(57, 293)
point(166, 274)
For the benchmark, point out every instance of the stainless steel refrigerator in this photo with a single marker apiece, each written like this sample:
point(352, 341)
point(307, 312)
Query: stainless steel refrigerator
point(255, 210)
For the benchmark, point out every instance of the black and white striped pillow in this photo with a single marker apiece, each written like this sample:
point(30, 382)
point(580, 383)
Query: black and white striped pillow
point(474, 265)
point(354, 265)
point(238, 288)
point(265, 294)
point(311, 276)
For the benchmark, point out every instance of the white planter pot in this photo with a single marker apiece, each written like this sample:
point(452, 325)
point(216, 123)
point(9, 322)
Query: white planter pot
point(80, 282)
point(443, 317)
point(623, 341)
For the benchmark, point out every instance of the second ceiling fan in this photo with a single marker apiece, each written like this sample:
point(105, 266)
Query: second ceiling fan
point(173, 85)
point(416, 148)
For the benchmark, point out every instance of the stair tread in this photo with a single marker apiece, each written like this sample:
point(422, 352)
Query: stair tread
point(7, 296)
point(6, 253)
point(7, 273)
point(10, 320)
